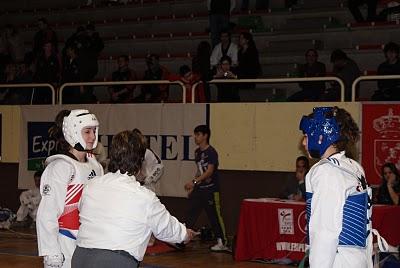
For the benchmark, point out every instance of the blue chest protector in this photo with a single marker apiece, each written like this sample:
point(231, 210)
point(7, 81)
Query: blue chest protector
point(355, 219)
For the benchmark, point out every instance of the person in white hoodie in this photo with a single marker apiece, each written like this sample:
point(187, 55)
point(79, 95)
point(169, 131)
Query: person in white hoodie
point(118, 215)
point(30, 200)
point(57, 220)
point(337, 194)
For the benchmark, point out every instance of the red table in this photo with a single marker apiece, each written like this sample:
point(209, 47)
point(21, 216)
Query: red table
point(272, 228)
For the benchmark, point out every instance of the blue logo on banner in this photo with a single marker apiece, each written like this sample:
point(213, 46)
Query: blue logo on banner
point(40, 146)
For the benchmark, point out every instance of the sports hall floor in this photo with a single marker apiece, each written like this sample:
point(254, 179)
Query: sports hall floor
point(18, 249)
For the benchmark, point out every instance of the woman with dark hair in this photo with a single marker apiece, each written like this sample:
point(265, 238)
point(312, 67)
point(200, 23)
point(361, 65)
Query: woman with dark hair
point(226, 92)
point(118, 215)
point(336, 192)
point(201, 65)
point(57, 220)
point(248, 58)
point(389, 190)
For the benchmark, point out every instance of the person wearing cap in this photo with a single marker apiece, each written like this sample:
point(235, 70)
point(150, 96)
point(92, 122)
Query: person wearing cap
point(337, 194)
point(66, 173)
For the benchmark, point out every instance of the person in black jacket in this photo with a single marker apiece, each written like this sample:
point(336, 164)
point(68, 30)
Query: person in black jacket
point(43, 36)
point(248, 60)
point(389, 190)
point(219, 15)
point(389, 90)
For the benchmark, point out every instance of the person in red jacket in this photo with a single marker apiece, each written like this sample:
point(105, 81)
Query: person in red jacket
point(190, 78)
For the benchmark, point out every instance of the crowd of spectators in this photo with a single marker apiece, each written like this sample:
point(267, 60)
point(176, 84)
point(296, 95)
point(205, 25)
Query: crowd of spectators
point(222, 58)
point(46, 63)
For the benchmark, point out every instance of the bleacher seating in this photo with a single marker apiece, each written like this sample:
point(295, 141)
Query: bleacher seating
point(173, 29)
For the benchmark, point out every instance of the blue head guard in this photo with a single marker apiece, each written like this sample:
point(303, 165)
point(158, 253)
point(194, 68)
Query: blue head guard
point(321, 123)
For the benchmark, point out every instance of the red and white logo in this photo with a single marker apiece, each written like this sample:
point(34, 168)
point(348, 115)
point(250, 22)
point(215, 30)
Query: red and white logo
point(387, 145)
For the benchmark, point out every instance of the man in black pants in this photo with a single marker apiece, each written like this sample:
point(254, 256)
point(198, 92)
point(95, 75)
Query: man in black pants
point(204, 188)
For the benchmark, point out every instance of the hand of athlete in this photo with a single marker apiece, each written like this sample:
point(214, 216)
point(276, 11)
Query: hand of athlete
point(190, 235)
point(189, 186)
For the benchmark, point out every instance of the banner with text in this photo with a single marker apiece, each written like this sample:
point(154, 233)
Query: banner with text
point(380, 138)
point(168, 128)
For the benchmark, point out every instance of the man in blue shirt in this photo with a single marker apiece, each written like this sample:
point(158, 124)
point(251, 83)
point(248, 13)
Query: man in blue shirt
point(203, 190)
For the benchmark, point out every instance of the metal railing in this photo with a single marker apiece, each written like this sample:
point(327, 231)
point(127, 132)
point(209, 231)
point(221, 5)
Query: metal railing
point(368, 78)
point(141, 82)
point(275, 80)
point(34, 87)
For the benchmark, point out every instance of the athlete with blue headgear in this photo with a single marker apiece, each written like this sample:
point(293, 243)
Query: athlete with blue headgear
point(336, 192)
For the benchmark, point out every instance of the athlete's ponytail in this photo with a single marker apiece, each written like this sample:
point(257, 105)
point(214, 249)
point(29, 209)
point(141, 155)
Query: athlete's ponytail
point(56, 133)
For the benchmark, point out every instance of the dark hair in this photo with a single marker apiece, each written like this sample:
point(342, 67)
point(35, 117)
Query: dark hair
point(393, 168)
point(349, 131)
point(226, 58)
point(338, 54)
point(311, 50)
point(225, 31)
point(184, 69)
point(137, 131)
point(13, 29)
point(29, 58)
point(80, 29)
point(391, 46)
point(125, 57)
point(90, 27)
point(305, 159)
point(56, 133)
point(249, 37)
point(127, 153)
point(38, 174)
point(203, 129)
point(44, 20)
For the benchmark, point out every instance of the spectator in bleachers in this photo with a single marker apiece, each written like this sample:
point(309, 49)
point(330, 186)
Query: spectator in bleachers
point(347, 70)
point(154, 93)
point(10, 76)
point(189, 78)
point(354, 7)
point(201, 65)
point(72, 41)
point(12, 44)
point(71, 73)
point(45, 35)
point(226, 92)
point(389, 90)
point(310, 91)
point(24, 74)
point(225, 48)
point(219, 16)
point(47, 65)
point(47, 70)
point(248, 60)
point(92, 53)
point(122, 93)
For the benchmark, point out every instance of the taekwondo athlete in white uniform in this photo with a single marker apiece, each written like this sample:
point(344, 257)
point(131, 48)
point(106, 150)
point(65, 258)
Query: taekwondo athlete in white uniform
point(62, 183)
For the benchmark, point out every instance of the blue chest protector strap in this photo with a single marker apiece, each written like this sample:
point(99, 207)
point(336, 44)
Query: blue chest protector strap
point(355, 215)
